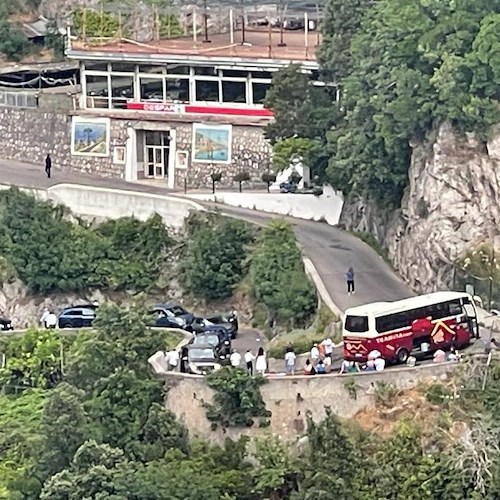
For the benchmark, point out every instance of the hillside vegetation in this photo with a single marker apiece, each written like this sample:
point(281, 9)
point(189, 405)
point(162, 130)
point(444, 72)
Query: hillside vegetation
point(402, 68)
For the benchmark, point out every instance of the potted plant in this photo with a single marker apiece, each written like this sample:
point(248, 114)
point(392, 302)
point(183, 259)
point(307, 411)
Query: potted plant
point(268, 178)
point(216, 177)
point(241, 177)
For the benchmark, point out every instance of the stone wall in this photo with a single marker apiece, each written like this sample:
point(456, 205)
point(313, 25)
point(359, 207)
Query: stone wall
point(29, 134)
point(289, 398)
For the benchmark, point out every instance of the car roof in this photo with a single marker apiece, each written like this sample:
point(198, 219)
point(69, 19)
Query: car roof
point(200, 346)
point(71, 308)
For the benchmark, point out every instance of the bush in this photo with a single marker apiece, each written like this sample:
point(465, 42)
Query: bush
point(300, 340)
point(13, 42)
point(92, 23)
point(213, 260)
point(278, 278)
point(49, 252)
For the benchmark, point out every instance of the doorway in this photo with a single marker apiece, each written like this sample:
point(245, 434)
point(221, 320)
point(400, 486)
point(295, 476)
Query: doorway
point(156, 154)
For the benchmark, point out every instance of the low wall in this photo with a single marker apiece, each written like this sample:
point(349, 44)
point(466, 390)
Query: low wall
point(289, 398)
point(327, 207)
point(114, 203)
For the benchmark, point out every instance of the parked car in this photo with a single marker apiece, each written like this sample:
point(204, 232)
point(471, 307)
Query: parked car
point(5, 324)
point(80, 316)
point(218, 338)
point(202, 359)
point(172, 315)
point(229, 321)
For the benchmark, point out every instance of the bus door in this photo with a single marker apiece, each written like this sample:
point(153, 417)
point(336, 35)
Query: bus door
point(470, 312)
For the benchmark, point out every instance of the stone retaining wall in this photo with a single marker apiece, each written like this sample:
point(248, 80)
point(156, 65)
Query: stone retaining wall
point(289, 398)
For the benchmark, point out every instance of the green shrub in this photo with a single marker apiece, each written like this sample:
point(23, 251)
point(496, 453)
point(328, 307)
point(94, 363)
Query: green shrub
point(324, 318)
point(92, 23)
point(49, 252)
point(300, 340)
point(13, 42)
point(277, 276)
point(213, 259)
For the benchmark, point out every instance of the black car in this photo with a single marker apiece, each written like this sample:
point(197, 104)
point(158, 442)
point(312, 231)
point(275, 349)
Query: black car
point(203, 359)
point(218, 338)
point(229, 321)
point(5, 324)
point(77, 316)
point(172, 315)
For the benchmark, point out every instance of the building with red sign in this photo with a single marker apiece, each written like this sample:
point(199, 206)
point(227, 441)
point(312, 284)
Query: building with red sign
point(182, 108)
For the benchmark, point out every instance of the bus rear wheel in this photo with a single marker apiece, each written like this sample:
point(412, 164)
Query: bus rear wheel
point(402, 355)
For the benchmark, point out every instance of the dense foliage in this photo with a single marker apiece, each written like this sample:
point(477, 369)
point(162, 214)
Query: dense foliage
point(237, 401)
point(213, 261)
point(277, 277)
point(51, 252)
point(13, 42)
point(403, 67)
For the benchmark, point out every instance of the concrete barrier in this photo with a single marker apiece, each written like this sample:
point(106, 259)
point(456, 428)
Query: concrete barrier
point(289, 398)
point(99, 202)
point(327, 207)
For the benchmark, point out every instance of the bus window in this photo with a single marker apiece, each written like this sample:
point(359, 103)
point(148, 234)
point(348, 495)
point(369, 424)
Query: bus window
point(392, 322)
point(455, 307)
point(356, 324)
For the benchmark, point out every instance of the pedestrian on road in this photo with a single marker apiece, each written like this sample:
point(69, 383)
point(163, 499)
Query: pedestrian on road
point(235, 359)
point(48, 165)
point(290, 358)
point(314, 355)
point(249, 358)
point(261, 362)
point(350, 280)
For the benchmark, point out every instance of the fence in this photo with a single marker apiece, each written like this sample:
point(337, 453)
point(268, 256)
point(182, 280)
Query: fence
point(488, 288)
point(10, 99)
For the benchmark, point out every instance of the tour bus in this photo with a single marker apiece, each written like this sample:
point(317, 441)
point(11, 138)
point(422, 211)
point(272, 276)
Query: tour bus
point(416, 325)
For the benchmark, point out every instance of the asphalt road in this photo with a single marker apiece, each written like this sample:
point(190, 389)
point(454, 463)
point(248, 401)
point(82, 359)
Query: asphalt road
point(331, 250)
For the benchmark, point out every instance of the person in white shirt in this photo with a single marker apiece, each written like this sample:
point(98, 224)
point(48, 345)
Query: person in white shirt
point(50, 320)
point(249, 358)
point(235, 359)
point(290, 359)
point(315, 355)
point(173, 359)
point(379, 364)
point(43, 318)
point(328, 345)
point(261, 362)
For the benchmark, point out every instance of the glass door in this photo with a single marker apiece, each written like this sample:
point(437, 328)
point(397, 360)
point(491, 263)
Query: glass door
point(155, 164)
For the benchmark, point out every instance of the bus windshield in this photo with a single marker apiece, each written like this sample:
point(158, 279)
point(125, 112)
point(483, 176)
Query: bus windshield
point(356, 324)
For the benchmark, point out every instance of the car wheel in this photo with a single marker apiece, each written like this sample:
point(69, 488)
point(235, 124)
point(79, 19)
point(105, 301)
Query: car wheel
point(66, 325)
point(402, 355)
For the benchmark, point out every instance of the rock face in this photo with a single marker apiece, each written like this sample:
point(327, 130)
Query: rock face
point(452, 205)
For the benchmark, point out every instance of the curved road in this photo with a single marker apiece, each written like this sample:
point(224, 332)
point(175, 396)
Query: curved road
point(331, 250)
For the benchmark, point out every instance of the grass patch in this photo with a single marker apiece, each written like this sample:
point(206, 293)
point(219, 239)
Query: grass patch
point(301, 340)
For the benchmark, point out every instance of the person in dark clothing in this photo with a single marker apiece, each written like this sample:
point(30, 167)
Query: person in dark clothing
point(350, 280)
point(48, 165)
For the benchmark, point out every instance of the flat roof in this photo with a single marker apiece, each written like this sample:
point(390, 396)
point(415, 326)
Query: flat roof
point(260, 45)
point(377, 308)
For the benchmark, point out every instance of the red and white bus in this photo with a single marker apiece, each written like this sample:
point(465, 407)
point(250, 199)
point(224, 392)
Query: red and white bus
point(416, 325)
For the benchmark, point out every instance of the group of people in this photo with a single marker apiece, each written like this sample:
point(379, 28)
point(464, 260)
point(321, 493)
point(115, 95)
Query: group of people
point(253, 364)
point(374, 363)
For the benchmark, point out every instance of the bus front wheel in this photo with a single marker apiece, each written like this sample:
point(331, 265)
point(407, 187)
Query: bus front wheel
point(402, 355)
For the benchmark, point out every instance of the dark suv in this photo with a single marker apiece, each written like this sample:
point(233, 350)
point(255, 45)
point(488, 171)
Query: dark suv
point(5, 324)
point(218, 338)
point(77, 316)
point(171, 315)
point(228, 321)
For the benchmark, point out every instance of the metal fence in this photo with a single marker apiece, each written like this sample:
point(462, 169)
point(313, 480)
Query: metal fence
point(9, 99)
point(487, 288)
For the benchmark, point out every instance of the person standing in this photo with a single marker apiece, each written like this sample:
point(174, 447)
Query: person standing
point(51, 320)
point(249, 358)
point(349, 275)
point(48, 165)
point(235, 359)
point(261, 362)
point(328, 346)
point(314, 354)
point(290, 358)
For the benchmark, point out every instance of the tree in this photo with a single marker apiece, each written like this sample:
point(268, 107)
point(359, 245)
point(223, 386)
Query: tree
point(214, 255)
point(65, 426)
point(13, 42)
point(285, 150)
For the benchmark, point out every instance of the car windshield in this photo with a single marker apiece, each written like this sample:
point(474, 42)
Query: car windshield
point(206, 353)
point(206, 339)
point(177, 310)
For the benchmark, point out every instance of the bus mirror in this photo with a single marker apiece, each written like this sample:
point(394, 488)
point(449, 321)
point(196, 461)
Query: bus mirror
point(478, 300)
point(469, 310)
point(470, 289)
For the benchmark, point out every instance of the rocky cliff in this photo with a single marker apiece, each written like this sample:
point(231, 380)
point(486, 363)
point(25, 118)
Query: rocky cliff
point(452, 205)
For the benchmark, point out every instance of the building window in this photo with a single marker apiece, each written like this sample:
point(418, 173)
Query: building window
point(178, 69)
point(152, 70)
point(151, 89)
point(177, 89)
point(232, 73)
point(265, 75)
point(123, 68)
point(206, 71)
point(207, 90)
point(122, 90)
point(259, 92)
point(97, 91)
point(234, 91)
